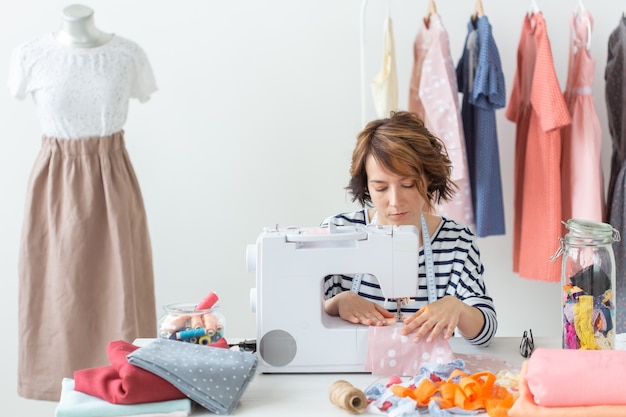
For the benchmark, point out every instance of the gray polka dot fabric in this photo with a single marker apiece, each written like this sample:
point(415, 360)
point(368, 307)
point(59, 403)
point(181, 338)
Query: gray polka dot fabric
point(215, 378)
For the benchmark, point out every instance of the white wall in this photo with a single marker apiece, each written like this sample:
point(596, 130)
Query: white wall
point(253, 125)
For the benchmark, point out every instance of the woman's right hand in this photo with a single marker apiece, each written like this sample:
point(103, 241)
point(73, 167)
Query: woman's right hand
point(355, 309)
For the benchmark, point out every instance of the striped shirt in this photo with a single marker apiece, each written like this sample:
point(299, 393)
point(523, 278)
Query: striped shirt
point(458, 272)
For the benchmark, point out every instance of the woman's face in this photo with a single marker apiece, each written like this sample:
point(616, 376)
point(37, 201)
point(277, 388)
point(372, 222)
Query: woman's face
point(396, 198)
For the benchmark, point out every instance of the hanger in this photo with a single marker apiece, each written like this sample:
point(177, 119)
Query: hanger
point(432, 9)
point(478, 11)
point(580, 10)
point(534, 8)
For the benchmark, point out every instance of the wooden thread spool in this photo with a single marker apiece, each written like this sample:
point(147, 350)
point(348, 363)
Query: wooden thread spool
point(345, 395)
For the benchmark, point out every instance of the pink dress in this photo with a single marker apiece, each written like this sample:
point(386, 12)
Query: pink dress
point(434, 98)
point(581, 170)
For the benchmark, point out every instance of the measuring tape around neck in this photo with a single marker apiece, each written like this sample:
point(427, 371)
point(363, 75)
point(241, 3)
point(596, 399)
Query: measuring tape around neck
point(429, 263)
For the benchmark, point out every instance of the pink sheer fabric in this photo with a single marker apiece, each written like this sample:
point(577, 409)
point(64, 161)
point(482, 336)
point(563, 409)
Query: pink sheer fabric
point(390, 353)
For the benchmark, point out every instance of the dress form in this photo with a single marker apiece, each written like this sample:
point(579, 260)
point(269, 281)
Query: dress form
point(78, 29)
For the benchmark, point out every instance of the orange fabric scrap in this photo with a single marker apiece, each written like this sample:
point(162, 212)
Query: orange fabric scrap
point(469, 392)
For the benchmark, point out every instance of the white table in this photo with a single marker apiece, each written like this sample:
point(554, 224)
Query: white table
point(274, 395)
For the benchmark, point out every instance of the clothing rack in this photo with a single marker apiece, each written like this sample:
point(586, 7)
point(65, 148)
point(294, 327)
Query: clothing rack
point(362, 54)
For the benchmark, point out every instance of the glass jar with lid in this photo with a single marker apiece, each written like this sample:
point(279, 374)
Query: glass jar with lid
point(588, 285)
point(184, 322)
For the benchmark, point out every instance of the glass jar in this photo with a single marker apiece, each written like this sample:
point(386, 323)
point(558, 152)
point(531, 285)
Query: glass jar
point(588, 283)
point(183, 322)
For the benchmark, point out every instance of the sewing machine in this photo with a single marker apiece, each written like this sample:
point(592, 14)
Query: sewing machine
point(294, 333)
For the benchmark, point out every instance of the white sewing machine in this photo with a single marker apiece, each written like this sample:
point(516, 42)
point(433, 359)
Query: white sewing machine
point(294, 333)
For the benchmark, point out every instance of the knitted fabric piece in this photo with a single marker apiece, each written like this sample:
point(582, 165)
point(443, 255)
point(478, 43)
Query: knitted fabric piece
point(215, 378)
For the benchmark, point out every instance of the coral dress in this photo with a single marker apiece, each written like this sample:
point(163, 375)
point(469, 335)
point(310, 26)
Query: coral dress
point(539, 110)
point(581, 169)
point(433, 97)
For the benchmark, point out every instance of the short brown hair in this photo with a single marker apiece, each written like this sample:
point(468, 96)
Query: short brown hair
point(403, 145)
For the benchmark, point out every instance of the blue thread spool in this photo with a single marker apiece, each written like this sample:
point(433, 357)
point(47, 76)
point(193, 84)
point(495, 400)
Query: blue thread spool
point(191, 333)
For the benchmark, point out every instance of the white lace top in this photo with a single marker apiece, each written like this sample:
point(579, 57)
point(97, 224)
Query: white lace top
point(81, 92)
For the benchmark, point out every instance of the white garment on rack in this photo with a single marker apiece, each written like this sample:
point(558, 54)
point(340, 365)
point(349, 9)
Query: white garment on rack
point(385, 84)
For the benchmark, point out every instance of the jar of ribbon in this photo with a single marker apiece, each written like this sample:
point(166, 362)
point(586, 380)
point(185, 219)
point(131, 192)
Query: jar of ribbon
point(588, 281)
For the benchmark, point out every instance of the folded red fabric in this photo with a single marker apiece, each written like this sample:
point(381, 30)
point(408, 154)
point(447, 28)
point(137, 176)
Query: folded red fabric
point(123, 383)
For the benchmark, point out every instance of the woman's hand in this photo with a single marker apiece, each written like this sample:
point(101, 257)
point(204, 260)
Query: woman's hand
point(442, 317)
point(355, 309)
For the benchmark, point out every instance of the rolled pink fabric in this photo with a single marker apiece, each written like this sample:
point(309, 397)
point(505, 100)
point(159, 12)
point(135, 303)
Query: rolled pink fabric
point(524, 406)
point(572, 378)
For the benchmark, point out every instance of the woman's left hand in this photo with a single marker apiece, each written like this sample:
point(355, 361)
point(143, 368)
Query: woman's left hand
point(440, 317)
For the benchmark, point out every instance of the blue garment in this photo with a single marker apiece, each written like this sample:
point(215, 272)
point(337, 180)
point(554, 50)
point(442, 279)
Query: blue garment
point(481, 80)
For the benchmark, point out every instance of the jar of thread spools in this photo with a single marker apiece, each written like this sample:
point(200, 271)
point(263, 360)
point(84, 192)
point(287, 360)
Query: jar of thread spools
point(588, 283)
point(183, 321)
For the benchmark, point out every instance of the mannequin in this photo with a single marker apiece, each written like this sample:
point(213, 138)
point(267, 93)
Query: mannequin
point(85, 258)
point(79, 30)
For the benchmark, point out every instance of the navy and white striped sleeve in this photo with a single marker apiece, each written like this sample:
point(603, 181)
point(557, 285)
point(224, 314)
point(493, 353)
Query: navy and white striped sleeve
point(467, 284)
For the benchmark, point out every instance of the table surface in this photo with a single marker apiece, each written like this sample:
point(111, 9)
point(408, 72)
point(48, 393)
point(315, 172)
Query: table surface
point(307, 394)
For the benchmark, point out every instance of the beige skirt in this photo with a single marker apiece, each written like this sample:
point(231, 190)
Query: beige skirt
point(85, 262)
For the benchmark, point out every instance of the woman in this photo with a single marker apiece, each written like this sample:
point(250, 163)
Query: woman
point(399, 172)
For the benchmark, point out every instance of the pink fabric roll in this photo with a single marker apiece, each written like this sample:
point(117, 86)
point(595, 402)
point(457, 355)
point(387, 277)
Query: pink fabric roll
point(525, 406)
point(571, 378)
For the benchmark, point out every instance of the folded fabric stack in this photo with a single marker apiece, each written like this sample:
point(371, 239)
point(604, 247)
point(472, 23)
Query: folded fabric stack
point(214, 378)
point(573, 383)
point(145, 381)
point(123, 383)
point(78, 404)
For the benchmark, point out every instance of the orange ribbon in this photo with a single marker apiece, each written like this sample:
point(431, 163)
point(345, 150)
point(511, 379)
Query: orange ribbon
point(469, 392)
